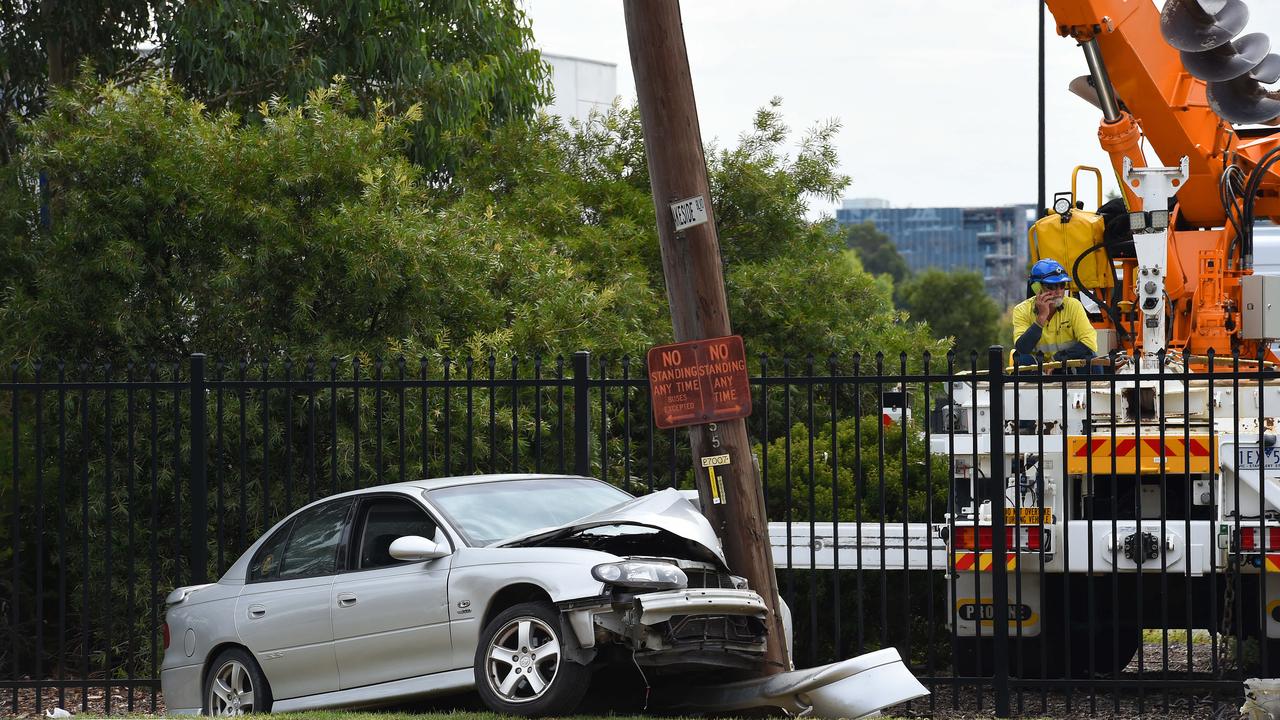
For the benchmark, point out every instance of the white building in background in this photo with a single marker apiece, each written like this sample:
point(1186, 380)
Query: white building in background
point(865, 204)
point(580, 86)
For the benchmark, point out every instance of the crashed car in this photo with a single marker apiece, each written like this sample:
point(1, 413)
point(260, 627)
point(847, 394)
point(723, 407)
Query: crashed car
point(518, 586)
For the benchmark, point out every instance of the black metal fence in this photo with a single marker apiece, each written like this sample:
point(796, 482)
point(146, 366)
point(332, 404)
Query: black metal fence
point(128, 481)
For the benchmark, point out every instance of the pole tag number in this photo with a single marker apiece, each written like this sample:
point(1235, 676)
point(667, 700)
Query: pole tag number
point(711, 462)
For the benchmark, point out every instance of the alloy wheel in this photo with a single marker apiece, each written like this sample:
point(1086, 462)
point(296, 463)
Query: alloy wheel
point(523, 659)
point(231, 692)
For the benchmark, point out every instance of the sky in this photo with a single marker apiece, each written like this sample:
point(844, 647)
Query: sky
point(936, 98)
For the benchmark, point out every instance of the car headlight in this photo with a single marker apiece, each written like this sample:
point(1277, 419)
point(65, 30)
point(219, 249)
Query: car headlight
point(634, 573)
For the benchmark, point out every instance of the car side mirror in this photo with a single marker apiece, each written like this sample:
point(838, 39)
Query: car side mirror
point(416, 547)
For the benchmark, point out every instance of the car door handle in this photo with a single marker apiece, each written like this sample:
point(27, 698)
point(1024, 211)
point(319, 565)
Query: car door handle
point(257, 611)
point(346, 599)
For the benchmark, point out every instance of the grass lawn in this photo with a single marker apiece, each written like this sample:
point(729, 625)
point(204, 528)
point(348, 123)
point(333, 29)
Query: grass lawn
point(353, 715)
point(1198, 637)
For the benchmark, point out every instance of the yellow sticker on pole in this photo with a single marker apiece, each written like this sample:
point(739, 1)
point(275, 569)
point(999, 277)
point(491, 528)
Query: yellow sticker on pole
point(711, 462)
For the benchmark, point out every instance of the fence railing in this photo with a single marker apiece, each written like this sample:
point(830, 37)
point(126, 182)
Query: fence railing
point(125, 482)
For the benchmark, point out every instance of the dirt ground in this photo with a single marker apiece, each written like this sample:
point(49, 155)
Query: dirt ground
point(1083, 701)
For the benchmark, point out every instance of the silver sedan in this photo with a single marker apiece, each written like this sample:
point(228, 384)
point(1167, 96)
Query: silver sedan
point(518, 586)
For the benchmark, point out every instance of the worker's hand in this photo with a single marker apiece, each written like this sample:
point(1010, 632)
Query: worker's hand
point(1045, 306)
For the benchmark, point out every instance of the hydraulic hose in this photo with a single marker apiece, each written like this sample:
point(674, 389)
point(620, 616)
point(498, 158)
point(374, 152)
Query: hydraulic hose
point(1106, 307)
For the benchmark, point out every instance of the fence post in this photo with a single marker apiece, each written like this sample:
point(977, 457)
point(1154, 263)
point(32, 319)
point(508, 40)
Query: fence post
point(199, 481)
point(999, 549)
point(582, 412)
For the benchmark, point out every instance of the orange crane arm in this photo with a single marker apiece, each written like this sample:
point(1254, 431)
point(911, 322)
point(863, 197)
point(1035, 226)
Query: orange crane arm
point(1168, 105)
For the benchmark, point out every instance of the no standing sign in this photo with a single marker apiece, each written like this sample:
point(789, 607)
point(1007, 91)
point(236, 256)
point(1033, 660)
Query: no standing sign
point(699, 381)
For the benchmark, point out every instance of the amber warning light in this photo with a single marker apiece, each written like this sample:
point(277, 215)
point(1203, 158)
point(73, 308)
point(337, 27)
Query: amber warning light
point(699, 381)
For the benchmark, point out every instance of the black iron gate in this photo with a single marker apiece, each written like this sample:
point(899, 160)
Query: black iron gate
point(128, 481)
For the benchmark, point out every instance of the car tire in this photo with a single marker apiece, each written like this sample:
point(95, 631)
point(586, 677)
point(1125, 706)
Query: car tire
point(235, 685)
point(521, 666)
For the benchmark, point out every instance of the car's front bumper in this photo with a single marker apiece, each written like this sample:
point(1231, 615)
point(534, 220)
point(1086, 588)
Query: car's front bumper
point(658, 607)
point(690, 627)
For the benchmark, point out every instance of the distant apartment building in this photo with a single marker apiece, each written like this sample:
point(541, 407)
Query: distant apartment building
point(580, 86)
point(990, 240)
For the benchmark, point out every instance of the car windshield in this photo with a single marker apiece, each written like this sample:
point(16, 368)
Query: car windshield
point(488, 512)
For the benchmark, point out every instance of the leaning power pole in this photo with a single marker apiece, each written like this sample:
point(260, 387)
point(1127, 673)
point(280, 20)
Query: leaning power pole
point(731, 494)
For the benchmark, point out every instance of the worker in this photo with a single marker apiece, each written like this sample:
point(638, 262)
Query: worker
point(1050, 325)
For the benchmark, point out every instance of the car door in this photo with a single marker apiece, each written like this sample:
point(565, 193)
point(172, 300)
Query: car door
point(283, 613)
point(390, 618)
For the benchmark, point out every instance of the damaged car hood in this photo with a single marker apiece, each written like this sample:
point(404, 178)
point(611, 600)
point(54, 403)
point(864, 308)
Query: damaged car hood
point(665, 511)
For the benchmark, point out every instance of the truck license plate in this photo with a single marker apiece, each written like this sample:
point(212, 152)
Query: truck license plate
point(1248, 457)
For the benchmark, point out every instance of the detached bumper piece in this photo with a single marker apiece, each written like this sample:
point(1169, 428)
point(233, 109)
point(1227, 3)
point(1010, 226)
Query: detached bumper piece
point(853, 688)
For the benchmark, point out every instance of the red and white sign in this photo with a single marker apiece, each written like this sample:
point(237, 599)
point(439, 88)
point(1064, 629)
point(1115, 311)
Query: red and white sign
point(699, 381)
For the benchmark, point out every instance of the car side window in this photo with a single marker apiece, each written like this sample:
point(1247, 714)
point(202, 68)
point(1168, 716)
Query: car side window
point(313, 545)
point(385, 520)
point(266, 563)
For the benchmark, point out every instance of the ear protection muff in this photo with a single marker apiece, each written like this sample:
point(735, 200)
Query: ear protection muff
point(1037, 287)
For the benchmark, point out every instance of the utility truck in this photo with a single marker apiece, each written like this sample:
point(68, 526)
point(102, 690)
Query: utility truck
point(1140, 489)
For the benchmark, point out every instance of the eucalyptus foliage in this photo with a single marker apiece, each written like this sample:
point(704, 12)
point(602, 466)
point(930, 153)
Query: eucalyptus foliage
point(956, 306)
point(312, 233)
point(470, 64)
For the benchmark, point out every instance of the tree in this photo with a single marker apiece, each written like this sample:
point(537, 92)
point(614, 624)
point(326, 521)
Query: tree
point(876, 250)
point(469, 63)
point(955, 305)
point(43, 43)
point(791, 290)
point(311, 233)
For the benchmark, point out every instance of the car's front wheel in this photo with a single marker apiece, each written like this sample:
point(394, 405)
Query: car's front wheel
point(235, 685)
point(520, 665)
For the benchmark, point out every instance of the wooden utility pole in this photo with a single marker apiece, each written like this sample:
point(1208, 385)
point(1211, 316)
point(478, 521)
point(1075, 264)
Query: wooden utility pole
point(695, 289)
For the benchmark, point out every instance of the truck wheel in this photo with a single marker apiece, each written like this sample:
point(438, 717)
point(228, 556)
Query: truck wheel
point(520, 665)
point(1115, 633)
point(1271, 668)
point(1032, 658)
point(975, 657)
point(1113, 650)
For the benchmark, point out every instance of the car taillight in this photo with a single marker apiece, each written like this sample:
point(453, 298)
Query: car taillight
point(164, 632)
point(980, 538)
point(1249, 539)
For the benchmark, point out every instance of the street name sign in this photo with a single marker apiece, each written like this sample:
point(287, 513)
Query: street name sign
point(699, 381)
point(689, 212)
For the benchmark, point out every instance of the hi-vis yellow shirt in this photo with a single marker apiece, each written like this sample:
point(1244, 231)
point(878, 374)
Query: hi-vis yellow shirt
point(1070, 324)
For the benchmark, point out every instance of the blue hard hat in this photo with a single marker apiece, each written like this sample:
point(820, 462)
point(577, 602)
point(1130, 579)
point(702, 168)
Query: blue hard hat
point(1049, 271)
